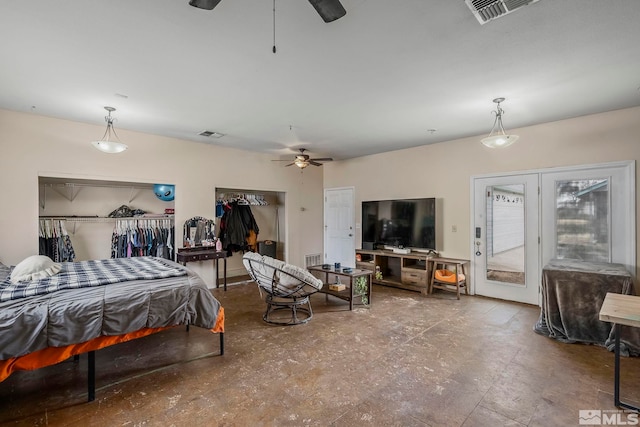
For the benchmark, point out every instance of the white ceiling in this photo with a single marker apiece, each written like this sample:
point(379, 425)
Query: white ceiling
point(375, 80)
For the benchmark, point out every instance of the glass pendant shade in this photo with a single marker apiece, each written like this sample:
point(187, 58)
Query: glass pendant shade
point(110, 147)
point(107, 144)
point(498, 138)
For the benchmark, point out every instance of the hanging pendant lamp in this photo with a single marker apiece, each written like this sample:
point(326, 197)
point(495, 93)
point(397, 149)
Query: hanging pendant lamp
point(107, 144)
point(498, 138)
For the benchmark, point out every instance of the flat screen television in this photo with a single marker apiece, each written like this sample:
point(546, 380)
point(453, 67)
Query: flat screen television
point(408, 223)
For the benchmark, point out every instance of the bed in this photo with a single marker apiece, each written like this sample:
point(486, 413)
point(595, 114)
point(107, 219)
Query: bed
point(91, 305)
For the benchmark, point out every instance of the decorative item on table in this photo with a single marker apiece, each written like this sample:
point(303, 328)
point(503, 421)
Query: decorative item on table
point(347, 270)
point(337, 287)
point(326, 266)
point(336, 266)
point(378, 273)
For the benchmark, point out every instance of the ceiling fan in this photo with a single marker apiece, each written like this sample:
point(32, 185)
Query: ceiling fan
point(302, 160)
point(329, 10)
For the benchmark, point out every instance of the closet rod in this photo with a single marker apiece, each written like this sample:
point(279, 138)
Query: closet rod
point(80, 218)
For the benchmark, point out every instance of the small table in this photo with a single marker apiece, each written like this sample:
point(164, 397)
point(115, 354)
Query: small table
point(186, 255)
point(620, 310)
point(459, 281)
point(346, 294)
point(572, 296)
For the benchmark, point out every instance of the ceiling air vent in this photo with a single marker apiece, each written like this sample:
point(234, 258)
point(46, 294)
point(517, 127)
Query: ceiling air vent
point(488, 10)
point(211, 134)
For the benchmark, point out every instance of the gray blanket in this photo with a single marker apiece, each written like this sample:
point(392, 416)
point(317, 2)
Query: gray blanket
point(572, 295)
point(86, 274)
point(74, 316)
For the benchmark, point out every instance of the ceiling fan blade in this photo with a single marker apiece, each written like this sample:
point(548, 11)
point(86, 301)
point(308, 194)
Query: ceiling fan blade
point(323, 159)
point(290, 164)
point(329, 10)
point(311, 162)
point(204, 4)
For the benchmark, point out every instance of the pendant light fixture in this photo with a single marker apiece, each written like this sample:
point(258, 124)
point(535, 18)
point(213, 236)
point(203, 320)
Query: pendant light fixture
point(498, 137)
point(107, 144)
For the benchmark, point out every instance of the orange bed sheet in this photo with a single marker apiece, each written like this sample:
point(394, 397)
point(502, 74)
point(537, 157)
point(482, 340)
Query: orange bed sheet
point(52, 355)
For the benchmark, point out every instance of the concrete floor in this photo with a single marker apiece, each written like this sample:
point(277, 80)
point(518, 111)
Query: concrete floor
point(409, 360)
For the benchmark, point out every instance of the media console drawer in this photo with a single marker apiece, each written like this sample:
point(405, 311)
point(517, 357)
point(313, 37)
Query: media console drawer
point(418, 278)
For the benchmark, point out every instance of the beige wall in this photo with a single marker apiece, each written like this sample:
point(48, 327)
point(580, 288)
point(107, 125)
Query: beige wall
point(32, 145)
point(444, 170)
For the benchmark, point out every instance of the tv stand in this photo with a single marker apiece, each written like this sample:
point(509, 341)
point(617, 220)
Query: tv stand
point(406, 271)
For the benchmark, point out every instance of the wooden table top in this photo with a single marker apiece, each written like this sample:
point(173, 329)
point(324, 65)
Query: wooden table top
point(621, 309)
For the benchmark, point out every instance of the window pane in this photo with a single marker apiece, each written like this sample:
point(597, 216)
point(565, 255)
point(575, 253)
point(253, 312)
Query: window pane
point(582, 220)
point(505, 233)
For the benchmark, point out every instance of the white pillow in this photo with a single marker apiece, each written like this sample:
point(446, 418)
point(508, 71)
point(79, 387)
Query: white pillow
point(33, 268)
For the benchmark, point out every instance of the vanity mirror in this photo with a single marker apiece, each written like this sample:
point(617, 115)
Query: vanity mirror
point(198, 231)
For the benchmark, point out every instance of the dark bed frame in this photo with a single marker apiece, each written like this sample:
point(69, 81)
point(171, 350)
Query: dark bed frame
point(91, 368)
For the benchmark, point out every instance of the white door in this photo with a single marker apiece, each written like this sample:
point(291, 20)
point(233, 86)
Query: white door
point(506, 237)
point(588, 214)
point(339, 226)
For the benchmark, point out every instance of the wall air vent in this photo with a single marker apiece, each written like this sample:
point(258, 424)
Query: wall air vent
point(488, 10)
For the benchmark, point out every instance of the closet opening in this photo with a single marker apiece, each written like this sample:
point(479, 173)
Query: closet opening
point(84, 219)
point(234, 209)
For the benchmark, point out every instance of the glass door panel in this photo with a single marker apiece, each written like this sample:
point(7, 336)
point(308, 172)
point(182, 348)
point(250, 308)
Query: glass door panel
point(505, 234)
point(582, 220)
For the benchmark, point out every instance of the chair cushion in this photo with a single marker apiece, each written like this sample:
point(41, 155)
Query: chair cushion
point(289, 277)
point(448, 276)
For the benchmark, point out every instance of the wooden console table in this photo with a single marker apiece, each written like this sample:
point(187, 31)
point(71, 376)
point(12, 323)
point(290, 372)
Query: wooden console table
point(346, 294)
point(405, 271)
point(620, 310)
point(186, 255)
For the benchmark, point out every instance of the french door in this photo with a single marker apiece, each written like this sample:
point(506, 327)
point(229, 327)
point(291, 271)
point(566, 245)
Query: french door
point(506, 237)
point(522, 221)
point(588, 214)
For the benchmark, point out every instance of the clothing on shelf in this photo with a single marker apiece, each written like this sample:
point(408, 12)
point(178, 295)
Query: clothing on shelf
point(143, 237)
point(238, 229)
point(54, 241)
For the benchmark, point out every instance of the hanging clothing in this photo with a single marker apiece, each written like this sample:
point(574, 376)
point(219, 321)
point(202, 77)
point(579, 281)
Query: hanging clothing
point(54, 241)
point(238, 228)
point(143, 237)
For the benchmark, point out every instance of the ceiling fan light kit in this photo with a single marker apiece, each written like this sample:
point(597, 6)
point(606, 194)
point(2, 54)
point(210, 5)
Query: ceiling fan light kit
point(303, 160)
point(107, 144)
point(498, 138)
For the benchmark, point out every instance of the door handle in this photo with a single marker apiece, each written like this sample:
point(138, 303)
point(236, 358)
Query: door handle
point(478, 243)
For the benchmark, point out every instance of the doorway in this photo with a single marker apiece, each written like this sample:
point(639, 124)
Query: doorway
point(339, 226)
point(521, 221)
point(506, 237)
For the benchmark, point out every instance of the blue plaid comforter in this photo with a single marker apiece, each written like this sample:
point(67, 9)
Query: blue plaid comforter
point(93, 273)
